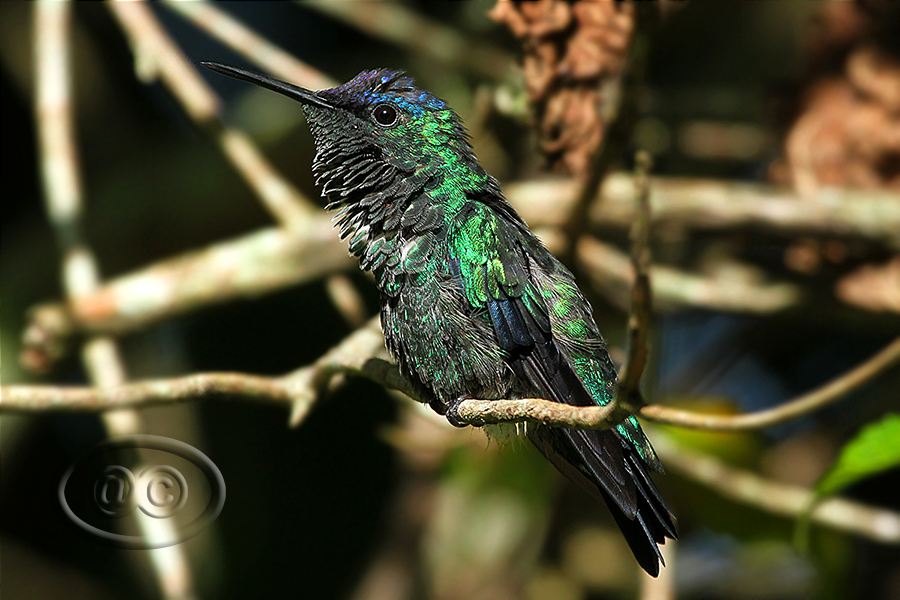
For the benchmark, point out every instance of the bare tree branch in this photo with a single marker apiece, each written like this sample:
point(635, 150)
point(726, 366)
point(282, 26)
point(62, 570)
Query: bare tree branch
point(827, 394)
point(246, 267)
point(358, 354)
point(141, 394)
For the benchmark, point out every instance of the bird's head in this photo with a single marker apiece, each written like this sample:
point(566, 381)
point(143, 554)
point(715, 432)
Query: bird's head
point(373, 129)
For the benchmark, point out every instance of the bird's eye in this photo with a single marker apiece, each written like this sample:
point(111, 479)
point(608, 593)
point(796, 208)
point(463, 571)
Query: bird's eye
point(385, 115)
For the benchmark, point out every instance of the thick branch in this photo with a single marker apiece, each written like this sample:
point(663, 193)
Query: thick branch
point(245, 267)
point(827, 394)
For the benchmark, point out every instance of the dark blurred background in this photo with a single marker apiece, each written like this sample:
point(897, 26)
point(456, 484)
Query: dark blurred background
point(370, 495)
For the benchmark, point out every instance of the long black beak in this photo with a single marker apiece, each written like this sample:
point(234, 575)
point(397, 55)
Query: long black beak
point(299, 94)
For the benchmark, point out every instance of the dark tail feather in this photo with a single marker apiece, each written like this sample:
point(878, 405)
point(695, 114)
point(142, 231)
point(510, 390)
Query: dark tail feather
point(602, 463)
point(610, 470)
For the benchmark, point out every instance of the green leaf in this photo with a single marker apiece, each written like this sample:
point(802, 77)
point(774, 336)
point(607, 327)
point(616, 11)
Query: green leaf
point(875, 449)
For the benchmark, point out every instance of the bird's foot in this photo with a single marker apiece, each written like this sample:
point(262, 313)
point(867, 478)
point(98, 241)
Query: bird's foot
point(453, 414)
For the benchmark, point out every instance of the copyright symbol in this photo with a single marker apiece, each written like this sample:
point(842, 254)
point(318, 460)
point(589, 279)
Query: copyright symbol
point(162, 491)
point(158, 489)
point(114, 492)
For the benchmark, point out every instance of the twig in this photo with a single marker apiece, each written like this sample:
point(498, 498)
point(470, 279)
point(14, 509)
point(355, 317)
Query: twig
point(142, 394)
point(256, 48)
point(779, 498)
point(805, 404)
point(398, 25)
point(641, 299)
point(357, 354)
point(81, 274)
point(160, 57)
point(619, 126)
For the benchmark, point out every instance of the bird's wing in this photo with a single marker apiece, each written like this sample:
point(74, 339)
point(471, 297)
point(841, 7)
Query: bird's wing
point(545, 327)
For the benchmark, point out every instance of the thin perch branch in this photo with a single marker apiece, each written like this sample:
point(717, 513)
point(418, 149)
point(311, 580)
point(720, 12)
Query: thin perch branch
point(827, 394)
point(362, 354)
point(535, 410)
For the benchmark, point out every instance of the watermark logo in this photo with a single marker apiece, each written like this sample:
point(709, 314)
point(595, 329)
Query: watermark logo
point(142, 491)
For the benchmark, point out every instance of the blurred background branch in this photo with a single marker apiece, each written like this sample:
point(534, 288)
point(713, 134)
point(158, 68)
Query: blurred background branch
point(64, 204)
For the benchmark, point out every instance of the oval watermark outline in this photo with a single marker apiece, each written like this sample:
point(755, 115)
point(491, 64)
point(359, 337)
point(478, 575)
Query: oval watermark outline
point(151, 442)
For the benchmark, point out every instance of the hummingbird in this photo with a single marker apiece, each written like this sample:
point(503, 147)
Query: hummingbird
point(472, 304)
